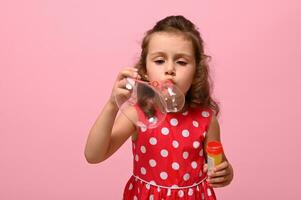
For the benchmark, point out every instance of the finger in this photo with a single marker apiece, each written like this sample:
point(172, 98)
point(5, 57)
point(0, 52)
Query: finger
point(122, 83)
point(224, 172)
point(220, 184)
point(122, 94)
point(221, 166)
point(219, 180)
point(128, 72)
point(126, 83)
point(216, 180)
point(130, 69)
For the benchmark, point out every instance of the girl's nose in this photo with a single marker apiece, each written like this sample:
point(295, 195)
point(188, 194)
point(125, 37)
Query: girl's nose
point(170, 69)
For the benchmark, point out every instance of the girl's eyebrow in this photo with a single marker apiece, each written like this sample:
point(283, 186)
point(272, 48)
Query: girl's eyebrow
point(157, 53)
point(178, 55)
point(185, 55)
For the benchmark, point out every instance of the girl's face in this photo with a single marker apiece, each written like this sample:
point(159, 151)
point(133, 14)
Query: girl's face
point(171, 57)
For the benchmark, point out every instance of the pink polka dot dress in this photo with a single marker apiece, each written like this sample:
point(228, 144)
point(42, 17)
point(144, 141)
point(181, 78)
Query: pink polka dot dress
point(168, 160)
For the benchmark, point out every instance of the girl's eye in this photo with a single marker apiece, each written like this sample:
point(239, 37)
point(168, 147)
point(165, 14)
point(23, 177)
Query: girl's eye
point(159, 62)
point(182, 63)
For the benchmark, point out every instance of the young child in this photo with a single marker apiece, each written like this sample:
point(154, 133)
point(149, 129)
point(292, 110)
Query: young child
point(170, 160)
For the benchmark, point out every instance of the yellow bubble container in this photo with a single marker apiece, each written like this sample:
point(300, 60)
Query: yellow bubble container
point(214, 151)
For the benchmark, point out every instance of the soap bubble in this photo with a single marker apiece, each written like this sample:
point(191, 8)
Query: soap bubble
point(149, 102)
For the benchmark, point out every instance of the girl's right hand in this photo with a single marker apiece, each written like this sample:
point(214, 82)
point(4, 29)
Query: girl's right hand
point(119, 89)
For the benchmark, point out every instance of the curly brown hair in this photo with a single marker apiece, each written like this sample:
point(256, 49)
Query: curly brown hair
point(199, 93)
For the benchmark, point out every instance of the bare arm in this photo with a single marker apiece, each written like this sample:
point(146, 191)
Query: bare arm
point(223, 173)
point(108, 134)
point(100, 134)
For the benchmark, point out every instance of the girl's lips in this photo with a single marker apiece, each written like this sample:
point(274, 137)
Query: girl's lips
point(169, 81)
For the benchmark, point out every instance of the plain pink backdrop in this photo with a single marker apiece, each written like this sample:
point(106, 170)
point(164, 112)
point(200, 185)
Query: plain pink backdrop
point(59, 59)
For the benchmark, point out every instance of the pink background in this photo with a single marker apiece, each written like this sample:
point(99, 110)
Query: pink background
point(59, 59)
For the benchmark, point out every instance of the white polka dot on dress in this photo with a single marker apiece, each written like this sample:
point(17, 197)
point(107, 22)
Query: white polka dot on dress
point(185, 133)
point(185, 154)
point(165, 131)
point(196, 144)
point(152, 163)
point(131, 186)
point(135, 197)
point(174, 122)
point(164, 153)
point(143, 170)
point(151, 197)
point(163, 175)
point(175, 144)
point(190, 192)
point(175, 165)
point(136, 157)
point(186, 177)
point(153, 141)
point(205, 114)
point(194, 164)
point(181, 193)
point(143, 149)
point(195, 123)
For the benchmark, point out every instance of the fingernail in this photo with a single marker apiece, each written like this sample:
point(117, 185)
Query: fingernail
point(135, 69)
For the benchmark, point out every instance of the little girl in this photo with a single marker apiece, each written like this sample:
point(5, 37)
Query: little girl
point(170, 160)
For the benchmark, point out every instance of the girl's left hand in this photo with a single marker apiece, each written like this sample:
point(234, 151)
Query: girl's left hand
point(221, 175)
